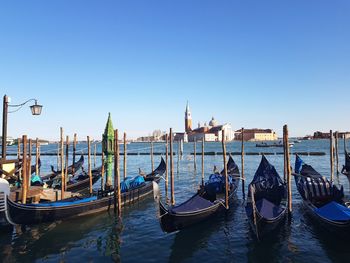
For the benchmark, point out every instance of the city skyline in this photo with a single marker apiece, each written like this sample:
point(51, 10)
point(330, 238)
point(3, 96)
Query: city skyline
point(251, 64)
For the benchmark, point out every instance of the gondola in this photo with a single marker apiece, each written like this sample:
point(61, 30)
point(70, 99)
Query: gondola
point(74, 167)
point(32, 168)
point(205, 203)
point(29, 214)
point(322, 199)
point(346, 168)
point(266, 205)
point(158, 171)
point(78, 183)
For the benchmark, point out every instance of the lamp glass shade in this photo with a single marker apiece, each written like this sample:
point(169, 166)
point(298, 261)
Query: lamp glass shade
point(36, 109)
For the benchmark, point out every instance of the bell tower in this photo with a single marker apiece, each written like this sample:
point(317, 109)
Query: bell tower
point(188, 119)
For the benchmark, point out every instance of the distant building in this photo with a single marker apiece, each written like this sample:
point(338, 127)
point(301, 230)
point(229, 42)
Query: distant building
point(256, 135)
point(188, 119)
point(326, 135)
point(210, 133)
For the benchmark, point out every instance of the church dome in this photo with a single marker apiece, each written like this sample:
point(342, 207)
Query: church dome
point(213, 122)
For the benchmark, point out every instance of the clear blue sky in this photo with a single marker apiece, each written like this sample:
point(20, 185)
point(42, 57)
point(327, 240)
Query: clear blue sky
point(250, 63)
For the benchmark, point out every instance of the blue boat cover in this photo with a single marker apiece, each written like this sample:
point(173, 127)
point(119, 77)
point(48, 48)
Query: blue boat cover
point(334, 211)
point(193, 204)
point(64, 203)
point(137, 181)
point(36, 178)
point(131, 183)
point(268, 209)
point(216, 183)
point(125, 185)
point(298, 164)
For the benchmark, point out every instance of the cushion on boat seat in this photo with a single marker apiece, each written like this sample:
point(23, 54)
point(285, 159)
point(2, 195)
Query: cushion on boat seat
point(268, 209)
point(320, 190)
point(195, 203)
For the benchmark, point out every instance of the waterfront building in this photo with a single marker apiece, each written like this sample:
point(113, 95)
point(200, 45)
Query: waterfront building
point(210, 133)
point(256, 135)
point(188, 119)
point(326, 135)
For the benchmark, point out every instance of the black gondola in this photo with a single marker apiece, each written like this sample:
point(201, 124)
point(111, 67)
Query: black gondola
point(346, 168)
point(158, 171)
point(205, 203)
point(74, 167)
point(29, 214)
point(266, 205)
point(80, 182)
point(322, 199)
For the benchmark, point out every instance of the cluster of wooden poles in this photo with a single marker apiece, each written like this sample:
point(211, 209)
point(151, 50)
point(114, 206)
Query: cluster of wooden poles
point(62, 158)
point(287, 167)
point(25, 172)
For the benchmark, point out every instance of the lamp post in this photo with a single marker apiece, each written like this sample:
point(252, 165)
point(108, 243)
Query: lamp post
point(35, 109)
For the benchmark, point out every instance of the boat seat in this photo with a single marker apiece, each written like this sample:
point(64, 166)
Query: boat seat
point(193, 204)
point(268, 209)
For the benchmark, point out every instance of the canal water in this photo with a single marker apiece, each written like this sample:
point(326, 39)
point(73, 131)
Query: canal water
point(137, 237)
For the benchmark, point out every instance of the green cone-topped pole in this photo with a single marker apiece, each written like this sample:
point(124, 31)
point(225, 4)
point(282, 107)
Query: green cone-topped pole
point(108, 149)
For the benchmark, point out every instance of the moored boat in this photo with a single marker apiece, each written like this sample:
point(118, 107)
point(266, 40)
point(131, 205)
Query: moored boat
point(72, 168)
point(322, 199)
point(35, 213)
point(346, 167)
point(208, 201)
point(266, 205)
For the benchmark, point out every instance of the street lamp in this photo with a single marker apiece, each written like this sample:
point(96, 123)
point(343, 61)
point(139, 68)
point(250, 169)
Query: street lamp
point(36, 110)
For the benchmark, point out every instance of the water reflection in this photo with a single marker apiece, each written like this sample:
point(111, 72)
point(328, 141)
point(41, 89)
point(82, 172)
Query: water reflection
point(88, 234)
point(270, 249)
point(188, 241)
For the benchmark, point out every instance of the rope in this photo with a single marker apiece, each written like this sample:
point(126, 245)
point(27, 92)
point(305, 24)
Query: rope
point(252, 192)
point(163, 215)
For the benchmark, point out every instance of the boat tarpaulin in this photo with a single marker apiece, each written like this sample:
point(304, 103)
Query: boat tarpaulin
point(334, 211)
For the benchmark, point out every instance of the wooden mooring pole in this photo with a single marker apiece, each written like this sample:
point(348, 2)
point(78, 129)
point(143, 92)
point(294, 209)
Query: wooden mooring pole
point(117, 193)
point(285, 172)
point(89, 164)
point(242, 161)
point(331, 153)
point(74, 152)
point(172, 201)
point(66, 163)
point(125, 155)
point(152, 161)
point(337, 152)
point(167, 167)
point(24, 170)
point(95, 149)
point(194, 154)
point(225, 169)
point(58, 156)
point(29, 164)
point(63, 176)
point(178, 156)
point(19, 157)
point(37, 156)
point(203, 161)
point(288, 169)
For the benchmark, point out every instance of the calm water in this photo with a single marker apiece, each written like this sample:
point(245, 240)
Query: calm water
point(139, 238)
